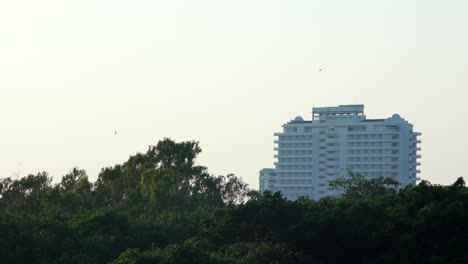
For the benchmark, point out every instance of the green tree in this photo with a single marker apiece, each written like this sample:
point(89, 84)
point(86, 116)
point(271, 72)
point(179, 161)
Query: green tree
point(354, 185)
point(119, 186)
point(24, 195)
point(233, 189)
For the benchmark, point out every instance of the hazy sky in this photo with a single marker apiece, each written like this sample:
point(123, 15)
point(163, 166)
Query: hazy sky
point(225, 73)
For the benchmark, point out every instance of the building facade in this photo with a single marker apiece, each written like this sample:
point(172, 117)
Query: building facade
point(312, 153)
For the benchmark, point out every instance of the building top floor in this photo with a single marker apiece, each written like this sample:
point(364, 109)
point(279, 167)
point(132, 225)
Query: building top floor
point(344, 115)
point(338, 110)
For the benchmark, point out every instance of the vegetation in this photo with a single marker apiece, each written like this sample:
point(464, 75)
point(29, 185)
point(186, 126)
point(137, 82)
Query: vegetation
point(161, 207)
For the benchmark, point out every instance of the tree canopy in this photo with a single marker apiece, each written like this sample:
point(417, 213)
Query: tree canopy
point(161, 207)
point(355, 185)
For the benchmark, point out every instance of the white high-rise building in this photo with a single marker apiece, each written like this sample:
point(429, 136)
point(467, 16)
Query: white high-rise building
point(312, 153)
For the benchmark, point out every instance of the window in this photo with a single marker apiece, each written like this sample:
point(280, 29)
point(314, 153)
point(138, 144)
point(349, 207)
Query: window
point(357, 128)
point(290, 129)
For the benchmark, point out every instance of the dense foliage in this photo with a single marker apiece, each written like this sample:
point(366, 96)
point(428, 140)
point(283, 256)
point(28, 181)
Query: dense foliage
point(161, 207)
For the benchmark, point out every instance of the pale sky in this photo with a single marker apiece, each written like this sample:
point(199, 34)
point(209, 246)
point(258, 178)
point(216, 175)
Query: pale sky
point(225, 73)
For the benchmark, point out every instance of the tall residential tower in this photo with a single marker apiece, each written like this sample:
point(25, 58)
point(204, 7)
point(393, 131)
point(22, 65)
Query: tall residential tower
point(312, 153)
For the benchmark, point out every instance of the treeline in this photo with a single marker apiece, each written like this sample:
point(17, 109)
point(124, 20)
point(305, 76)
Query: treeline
point(161, 207)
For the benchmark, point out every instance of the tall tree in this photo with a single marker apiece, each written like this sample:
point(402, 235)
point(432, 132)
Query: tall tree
point(354, 185)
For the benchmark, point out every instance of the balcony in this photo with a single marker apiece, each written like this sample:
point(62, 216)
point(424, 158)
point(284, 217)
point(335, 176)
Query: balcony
point(292, 148)
point(383, 140)
point(293, 155)
point(295, 185)
point(299, 141)
point(383, 155)
point(294, 163)
point(374, 170)
point(301, 178)
point(293, 170)
point(373, 162)
point(291, 134)
point(391, 133)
